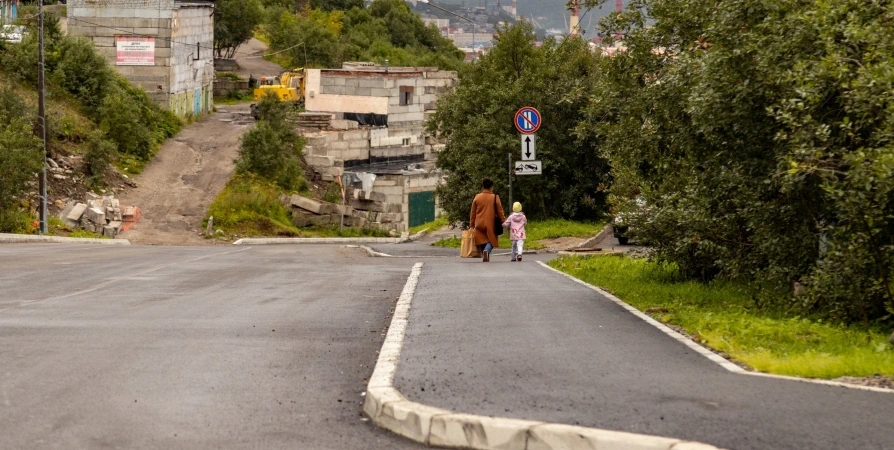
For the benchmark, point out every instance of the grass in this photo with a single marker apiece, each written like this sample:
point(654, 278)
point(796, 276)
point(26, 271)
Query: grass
point(251, 207)
point(539, 230)
point(433, 225)
point(724, 317)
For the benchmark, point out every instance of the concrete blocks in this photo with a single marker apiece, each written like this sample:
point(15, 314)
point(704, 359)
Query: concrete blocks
point(344, 125)
point(95, 215)
point(307, 204)
point(73, 218)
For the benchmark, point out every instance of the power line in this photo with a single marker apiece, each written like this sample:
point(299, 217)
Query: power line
point(131, 33)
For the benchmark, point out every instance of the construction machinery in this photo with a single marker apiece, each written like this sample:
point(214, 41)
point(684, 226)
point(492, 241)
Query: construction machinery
point(288, 87)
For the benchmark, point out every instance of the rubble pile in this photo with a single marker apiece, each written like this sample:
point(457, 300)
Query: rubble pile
point(364, 209)
point(102, 215)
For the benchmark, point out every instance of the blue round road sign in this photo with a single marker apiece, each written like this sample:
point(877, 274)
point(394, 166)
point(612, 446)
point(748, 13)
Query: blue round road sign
point(527, 120)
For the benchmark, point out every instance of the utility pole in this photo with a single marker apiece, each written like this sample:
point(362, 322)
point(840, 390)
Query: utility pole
point(42, 118)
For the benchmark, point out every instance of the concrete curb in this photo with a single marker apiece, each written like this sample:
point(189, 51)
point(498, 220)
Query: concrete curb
point(417, 236)
point(6, 238)
point(595, 240)
point(442, 428)
point(280, 241)
point(704, 351)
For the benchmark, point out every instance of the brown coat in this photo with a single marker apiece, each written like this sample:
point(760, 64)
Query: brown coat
point(481, 218)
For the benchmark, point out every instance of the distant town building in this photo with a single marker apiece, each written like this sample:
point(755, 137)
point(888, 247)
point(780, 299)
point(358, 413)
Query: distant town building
point(163, 46)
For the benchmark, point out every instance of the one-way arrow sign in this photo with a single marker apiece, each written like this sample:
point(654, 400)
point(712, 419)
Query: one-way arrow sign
point(528, 147)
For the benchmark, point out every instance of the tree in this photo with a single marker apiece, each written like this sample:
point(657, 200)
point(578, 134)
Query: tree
point(234, 24)
point(272, 150)
point(757, 133)
point(477, 122)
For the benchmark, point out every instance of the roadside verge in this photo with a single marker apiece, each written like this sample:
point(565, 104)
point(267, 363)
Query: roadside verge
point(389, 409)
point(6, 238)
point(702, 350)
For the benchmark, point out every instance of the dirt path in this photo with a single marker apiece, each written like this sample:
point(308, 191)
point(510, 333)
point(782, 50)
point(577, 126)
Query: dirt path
point(176, 189)
point(251, 63)
point(178, 186)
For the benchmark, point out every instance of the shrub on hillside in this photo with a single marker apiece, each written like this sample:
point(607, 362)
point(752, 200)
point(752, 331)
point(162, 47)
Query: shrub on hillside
point(272, 150)
point(20, 158)
point(100, 153)
point(84, 73)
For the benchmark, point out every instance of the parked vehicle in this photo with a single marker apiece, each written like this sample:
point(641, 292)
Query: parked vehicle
point(12, 33)
point(621, 222)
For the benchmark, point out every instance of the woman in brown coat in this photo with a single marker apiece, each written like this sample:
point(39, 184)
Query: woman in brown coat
point(481, 219)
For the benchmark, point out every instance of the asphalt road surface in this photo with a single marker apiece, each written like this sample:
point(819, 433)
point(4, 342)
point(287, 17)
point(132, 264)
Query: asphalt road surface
point(516, 340)
point(191, 347)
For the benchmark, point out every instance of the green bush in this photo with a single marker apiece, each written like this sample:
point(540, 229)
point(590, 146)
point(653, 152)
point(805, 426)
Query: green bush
point(84, 73)
point(250, 206)
point(100, 153)
point(759, 137)
point(20, 158)
point(123, 122)
point(272, 150)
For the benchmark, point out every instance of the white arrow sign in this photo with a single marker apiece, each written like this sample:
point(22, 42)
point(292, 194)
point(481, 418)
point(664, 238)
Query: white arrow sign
point(528, 168)
point(528, 147)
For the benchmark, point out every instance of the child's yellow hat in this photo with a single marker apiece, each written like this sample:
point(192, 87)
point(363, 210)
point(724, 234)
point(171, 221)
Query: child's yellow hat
point(516, 207)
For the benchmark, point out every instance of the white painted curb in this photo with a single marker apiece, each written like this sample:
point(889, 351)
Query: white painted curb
point(278, 241)
point(6, 238)
point(698, 348)
point(439, 427)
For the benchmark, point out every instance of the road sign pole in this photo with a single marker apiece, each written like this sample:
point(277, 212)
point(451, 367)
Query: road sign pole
point(509, 155)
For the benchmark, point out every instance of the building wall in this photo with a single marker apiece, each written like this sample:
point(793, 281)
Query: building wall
point(174, 81)
point(336, 100)
point(192, 66)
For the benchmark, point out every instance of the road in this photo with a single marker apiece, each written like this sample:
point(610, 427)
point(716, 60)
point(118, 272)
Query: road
point(517, 340)
point(272, 346)
point(191, 347)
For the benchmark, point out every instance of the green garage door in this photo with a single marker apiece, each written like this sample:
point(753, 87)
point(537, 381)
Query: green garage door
point(422, 208)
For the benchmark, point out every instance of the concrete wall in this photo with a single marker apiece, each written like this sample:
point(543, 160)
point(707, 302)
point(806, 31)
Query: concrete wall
point(318, 101)
point(174, 81)
point(192, 65)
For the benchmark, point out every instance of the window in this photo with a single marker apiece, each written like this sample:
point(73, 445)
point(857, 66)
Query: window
point(406, 142)
point(406, 95)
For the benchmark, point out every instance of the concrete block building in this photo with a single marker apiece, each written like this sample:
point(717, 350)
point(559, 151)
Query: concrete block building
point(163, 46)
point(378, 128)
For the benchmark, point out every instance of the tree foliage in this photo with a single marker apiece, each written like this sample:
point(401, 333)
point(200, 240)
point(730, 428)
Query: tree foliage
point(272, 150)
point(235, 22)
point(759, 135)
point(477, 121)
point(329, 33)
point(20, 156)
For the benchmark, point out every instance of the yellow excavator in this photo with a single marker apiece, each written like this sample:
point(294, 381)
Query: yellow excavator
point(288, 87)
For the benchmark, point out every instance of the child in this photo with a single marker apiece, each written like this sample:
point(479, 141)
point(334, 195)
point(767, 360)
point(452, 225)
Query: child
point(516, 224)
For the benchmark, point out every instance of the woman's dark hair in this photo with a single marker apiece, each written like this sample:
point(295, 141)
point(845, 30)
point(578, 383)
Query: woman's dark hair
point(487, 183)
